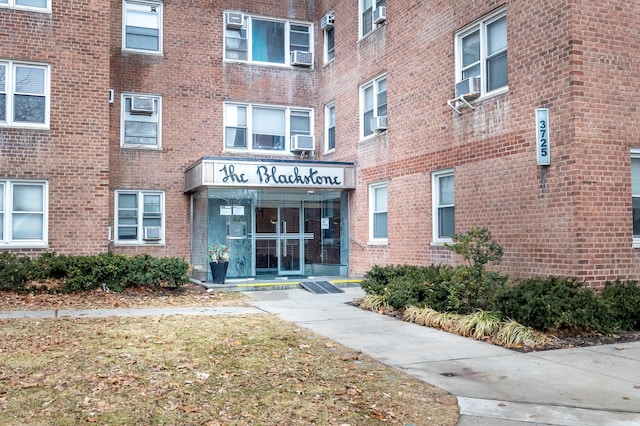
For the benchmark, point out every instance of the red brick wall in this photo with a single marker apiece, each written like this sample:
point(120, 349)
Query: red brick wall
point(575, 59)
point(194, 83)
point(73, 154)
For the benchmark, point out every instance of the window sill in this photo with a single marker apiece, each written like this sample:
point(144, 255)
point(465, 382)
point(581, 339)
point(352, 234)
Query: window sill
point(143, 52)
point(24, 126)
point(378, 242)
point(635, 244)
point(22, 245)
point(142, 147)
point(441, 243)
point(139, 244)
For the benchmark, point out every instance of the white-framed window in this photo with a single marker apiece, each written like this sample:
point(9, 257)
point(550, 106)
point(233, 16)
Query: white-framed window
point(373, 104)
point(366, 15)
point(635, 195)
point(142, 26)
point(378, 225)
point(264, 127)
point(24, 94)
point(329, 44)
point(266, 40)
point(139, 217)
point(330, 126)
point(24, 213)
point(443, 206)
point(141, 121)
point(481, 51)
point(35, 5)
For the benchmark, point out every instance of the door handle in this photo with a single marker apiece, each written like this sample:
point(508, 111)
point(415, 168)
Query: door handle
point(284, 239)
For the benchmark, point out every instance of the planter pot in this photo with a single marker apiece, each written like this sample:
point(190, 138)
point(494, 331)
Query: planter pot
point(218, 271)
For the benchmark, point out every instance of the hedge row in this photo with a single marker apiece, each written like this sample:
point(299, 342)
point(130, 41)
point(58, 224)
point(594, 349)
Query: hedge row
point(65, 274)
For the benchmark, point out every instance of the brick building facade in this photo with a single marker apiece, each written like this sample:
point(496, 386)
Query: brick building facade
point(163, 127)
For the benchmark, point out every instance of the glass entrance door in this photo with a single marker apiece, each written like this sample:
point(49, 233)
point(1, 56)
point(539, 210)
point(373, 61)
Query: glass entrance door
point(279, 248)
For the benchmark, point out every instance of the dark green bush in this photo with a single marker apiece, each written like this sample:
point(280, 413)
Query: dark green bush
point(553, 303)
point(378, 278)
point(79, 273)
point(623, 298)
point(15, 272)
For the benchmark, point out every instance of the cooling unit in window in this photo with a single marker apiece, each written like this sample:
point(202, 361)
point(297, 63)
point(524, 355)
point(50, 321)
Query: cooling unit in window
point(142, 105)
point(326, 23)
point(301, 59)
point(302, 143)
point(380, 15)
point(469, 88)
point(233, 20)
point(151, 233)
point(379, 124)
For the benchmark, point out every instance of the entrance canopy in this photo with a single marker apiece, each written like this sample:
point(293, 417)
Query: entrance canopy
point(234, 172)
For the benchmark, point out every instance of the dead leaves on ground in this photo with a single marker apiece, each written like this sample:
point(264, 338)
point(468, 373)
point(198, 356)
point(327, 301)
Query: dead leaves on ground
point(199, 370)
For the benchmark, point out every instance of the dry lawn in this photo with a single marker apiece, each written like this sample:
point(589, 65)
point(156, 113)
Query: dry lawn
point(223, 370)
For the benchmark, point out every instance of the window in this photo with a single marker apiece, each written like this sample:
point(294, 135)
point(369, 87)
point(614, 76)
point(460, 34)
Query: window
point(378, 213)
point(42, 5)
point(366, 15)
point(330, 127)
point(329, 44)
point(24, 94)
point(265, 40)
point(481, 51)
point(140, 121)
point(23, 213)
point(635, 195)
point(443, 206)
point(373, 101)
point(139, 217)
point(142, 28)
point(258, 127)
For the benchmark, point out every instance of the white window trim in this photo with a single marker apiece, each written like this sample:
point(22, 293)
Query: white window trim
point(12, 5)
point(7, 221)
point(287, 137)
point(372, 188)
point(287, 33)
point(327, 107)
point(635, 153)
point(158, 4)
point(325, 43)
point(140, 241)
point(158, 113)
point(480, 24)
point(361, 34)
point(10, 92)
point(371, 83)
point(435, 197)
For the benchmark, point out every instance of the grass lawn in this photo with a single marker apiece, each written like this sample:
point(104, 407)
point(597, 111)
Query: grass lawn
point(223, 370)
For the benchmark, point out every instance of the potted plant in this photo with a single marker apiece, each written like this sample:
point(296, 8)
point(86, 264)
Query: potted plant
point(218, 262)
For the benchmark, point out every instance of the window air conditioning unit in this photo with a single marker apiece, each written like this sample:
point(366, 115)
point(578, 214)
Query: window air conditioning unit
point(142, 105)
point(301, 59)
point(326, 23)
point(379, 124)
point(302, 143)
point(379, 15)
point(469, 88)
point(151, 233)
point(233, 20)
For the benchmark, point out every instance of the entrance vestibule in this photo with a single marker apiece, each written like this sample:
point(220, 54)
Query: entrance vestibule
point(273, 233)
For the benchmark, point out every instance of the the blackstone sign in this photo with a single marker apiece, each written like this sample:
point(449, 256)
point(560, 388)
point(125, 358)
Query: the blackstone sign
point(274, 174)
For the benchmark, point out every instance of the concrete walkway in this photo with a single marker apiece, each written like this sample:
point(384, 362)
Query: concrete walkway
point(495, 386)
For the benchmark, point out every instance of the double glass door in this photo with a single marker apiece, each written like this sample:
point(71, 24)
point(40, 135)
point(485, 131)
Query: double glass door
point(279, 240)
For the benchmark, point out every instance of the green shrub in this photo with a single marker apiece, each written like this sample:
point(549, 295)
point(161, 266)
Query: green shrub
point(553, 303)
point(623, 298)
point(15, 272)
point(80, 273)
